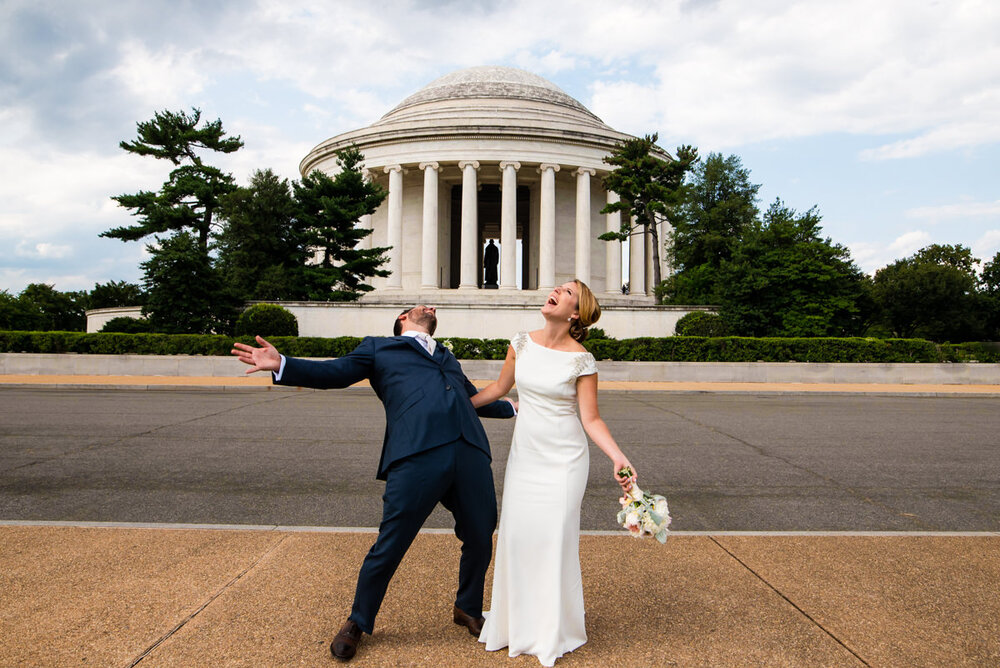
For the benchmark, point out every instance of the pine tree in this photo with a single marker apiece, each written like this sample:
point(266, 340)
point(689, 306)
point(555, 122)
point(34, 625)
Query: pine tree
point(649, 189)
point(329, 210)
point(190, 197)
point(184, 294)
point(261, 247)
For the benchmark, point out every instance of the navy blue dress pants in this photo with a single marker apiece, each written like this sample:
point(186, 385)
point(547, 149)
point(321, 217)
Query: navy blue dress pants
point(458, 475)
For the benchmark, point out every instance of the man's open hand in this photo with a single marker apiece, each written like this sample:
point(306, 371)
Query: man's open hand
point(265, 358)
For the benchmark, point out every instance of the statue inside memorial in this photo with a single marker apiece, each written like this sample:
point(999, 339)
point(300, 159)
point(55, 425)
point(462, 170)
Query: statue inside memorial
point(491, 259)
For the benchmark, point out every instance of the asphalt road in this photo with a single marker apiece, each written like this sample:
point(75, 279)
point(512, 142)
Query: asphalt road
point(738, 462)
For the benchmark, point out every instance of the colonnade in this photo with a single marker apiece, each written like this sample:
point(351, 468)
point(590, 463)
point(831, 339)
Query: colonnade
point(469, 252)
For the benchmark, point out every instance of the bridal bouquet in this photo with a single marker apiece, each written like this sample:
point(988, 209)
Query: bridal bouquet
point(642, 513)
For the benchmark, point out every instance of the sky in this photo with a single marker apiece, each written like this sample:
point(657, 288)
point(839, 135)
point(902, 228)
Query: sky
point(884, 115)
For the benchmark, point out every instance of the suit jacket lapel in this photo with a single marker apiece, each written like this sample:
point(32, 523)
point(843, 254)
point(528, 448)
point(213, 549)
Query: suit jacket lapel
point(423, 351)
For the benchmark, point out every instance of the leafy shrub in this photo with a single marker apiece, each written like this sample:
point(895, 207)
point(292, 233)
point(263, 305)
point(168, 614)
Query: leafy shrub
point(644, 349)
point(267, 320)
point(701, 323)
point(477, 349)
point(126, 325)
point(970, 352)
point(594, 333)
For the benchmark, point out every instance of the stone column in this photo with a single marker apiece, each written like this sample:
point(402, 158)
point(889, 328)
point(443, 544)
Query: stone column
point(395, 231)
point(649, 264)
point(429, 230)
point(583, 175)
point(613, 259)
point(365, 222)
point(508, 225)
point(664, 229)
point(637, 262)
point(470, 226)
point(547, 228)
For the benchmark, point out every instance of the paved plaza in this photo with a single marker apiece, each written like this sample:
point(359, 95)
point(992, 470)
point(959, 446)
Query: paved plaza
point(812, 529)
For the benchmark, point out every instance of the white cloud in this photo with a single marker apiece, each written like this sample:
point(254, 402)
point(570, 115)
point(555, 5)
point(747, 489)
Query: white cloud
point(265, 146)
point(908, 243)
point(546, 64)
point(987, 246)
point(739, 72)
point(45, 250)
point(870, 256)
point(160, 79)
point(953, 211)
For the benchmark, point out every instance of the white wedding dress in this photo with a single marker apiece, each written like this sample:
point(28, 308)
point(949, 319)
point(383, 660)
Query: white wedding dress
point(537, 603)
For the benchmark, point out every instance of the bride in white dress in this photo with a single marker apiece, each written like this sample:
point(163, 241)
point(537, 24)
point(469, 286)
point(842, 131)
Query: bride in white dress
point(537, 603)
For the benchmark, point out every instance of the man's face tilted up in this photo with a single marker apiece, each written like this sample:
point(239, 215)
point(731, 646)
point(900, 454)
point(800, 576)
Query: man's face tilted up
point(422, 318)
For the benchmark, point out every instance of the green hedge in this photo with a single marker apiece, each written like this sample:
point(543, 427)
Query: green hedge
point(646, 349)
point(970, 352)
point(267, 320)
point(165, 344)
point(740, 349)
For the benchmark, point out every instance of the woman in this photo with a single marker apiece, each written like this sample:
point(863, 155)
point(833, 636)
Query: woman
point(537, 605)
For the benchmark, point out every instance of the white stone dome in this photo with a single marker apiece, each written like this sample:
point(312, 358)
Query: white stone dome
point(491, 81)
point(486, 113)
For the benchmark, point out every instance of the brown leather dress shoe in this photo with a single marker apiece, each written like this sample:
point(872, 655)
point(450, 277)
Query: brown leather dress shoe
point(345, 644)
point(474, 625)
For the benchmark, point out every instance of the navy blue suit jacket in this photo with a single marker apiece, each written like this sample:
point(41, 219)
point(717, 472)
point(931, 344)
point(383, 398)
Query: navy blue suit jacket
point(426, 398)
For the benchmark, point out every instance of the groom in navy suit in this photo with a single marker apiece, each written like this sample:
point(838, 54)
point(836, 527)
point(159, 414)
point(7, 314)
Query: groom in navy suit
point(435, 450)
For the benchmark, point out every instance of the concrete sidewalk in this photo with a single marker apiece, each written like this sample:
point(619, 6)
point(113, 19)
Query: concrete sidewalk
point(194, 597)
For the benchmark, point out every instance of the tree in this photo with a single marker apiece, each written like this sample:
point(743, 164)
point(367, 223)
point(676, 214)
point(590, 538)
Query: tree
point(329, 210)
point(184, 292)
point(649, 189)
point(190, 197)
point(53, 310)
point(720, 206)
point(116, 293)
point(40, 307)
point(262, 248)
point(931, 294)
point(990, 295)
point(785, 279)
point(16, 314)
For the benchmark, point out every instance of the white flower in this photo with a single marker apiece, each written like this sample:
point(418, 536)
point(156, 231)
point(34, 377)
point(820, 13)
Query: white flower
point(661, 507)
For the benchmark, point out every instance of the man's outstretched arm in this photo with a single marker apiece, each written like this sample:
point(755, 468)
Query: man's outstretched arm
point(319, 374)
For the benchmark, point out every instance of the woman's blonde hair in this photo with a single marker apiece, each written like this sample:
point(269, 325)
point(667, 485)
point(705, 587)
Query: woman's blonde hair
point(589, 310)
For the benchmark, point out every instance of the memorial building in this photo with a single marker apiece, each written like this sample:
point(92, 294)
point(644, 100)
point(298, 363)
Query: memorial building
point(494, 177)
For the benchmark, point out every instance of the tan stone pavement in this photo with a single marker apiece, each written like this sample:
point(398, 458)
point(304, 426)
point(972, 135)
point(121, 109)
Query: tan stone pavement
point(196, 597)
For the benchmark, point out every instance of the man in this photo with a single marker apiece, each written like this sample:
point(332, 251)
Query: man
point(435, 449)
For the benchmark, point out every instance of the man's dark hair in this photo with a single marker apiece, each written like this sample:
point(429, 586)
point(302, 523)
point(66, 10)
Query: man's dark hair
point(397, 327)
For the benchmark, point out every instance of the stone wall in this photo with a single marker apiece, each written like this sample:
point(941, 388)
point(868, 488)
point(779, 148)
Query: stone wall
point(704, 372)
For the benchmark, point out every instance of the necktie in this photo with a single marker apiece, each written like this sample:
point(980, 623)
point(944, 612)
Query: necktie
point(427, 342)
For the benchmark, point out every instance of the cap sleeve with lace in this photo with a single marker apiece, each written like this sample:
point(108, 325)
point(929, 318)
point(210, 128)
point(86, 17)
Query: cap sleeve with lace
point(585, 365)
point(518, 343)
